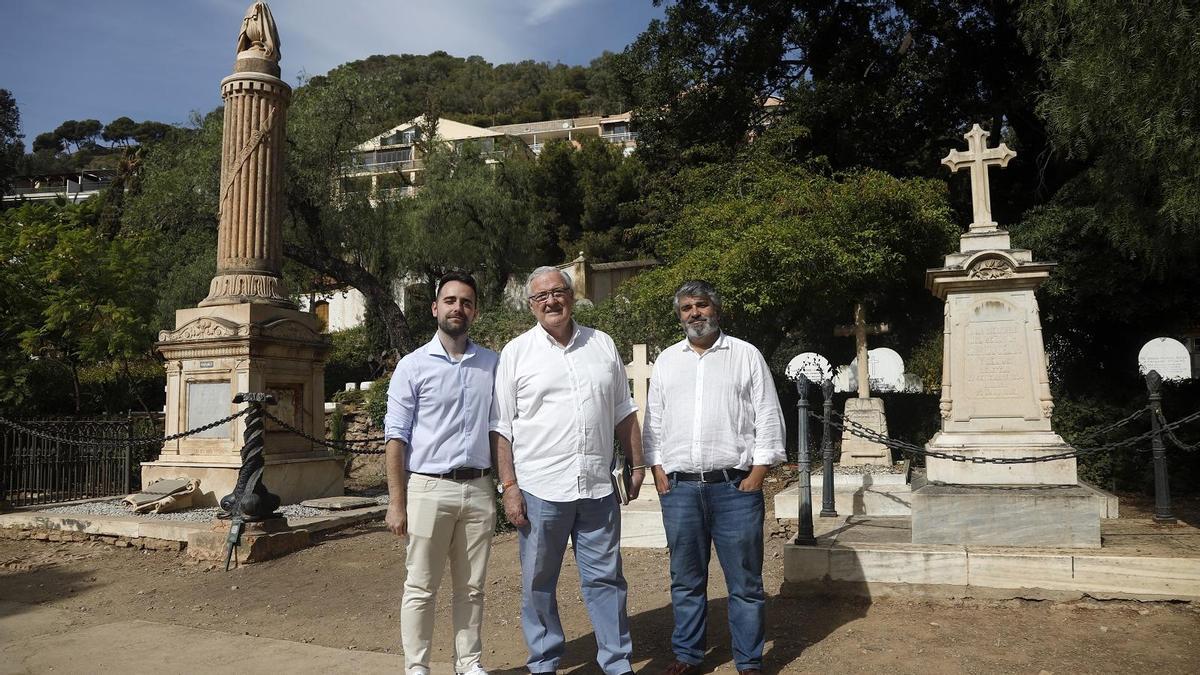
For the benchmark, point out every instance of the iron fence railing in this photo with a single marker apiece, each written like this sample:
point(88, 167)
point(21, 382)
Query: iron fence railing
point(46, 467)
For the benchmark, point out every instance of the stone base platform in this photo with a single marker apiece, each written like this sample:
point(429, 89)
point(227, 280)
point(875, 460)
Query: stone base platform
point(641, 520)
point(199, 540)
point(1006, 515)
point(1140, 560)
point(260, 541)
point(857, 500)
point(293, 479)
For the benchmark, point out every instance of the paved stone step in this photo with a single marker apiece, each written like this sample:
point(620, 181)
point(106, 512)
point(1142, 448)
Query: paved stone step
point(857, 500)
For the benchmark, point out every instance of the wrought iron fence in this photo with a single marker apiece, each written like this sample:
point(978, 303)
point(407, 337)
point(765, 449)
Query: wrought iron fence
point(46, 467)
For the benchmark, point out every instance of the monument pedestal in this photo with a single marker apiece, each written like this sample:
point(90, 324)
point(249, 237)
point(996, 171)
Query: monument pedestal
point(215, 352)
point(271, 538)
point(1052, 516)
point(867, 412)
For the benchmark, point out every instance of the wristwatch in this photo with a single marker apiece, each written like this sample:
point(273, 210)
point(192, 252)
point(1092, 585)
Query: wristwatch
point(501, 487)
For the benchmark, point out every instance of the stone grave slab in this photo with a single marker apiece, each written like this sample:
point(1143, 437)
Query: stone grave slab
point(342, 503)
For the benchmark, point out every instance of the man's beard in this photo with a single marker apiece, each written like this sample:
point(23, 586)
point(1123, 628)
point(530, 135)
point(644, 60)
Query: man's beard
point(702, 328)
point(451, 329)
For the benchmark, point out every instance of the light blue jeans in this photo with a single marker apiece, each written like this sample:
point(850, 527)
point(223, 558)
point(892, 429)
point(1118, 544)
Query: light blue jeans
point(594, 527)
point(698, 516)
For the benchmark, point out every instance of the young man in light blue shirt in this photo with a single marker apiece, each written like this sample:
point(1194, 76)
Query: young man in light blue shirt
point(439, 476)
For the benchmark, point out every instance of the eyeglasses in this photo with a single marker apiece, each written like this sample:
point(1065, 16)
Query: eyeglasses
point(557, 293)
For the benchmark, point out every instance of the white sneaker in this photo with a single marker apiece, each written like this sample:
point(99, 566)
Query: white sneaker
point(418, 670)
point(476, 670)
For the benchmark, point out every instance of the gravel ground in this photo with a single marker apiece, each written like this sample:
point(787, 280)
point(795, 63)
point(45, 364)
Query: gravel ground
point(116, 507)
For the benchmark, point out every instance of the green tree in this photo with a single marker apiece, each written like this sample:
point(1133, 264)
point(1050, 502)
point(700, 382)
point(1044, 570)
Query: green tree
point(48, 141)
point(119, 131)
point(75, 298)
point(11, 145)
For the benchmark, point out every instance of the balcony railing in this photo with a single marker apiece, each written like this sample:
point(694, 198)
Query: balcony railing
point(620, 137)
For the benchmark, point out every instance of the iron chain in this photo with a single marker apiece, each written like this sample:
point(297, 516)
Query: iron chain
point(118, 442)
point(332, 445)
point(870, 434)
point(1170, 431)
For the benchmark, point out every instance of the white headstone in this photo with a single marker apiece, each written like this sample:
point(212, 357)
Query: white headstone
point(1167, 356)
point(885, 367)
point(846, 379)
point(913, 384)
point(814, 366)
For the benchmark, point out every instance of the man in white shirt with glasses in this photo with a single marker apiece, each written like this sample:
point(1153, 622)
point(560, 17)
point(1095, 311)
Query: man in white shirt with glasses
point(713, 428)
point(561, 396)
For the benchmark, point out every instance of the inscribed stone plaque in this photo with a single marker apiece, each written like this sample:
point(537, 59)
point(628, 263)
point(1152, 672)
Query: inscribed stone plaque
point(208, 402)
point(814, 366)
point(997, 360)
point(1167, 356)
point(289, 405)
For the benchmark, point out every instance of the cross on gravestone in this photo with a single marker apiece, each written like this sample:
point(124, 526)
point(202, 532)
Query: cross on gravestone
point(860, 330)
point(978, 158)
point(638, 370)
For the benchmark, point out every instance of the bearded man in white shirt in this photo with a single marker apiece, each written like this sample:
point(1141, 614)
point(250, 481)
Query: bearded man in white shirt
point(713, 428)
point(561, 392)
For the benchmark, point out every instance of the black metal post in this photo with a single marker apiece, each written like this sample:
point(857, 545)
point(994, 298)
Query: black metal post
point(805, 535)
point(1162, 487)
point(250, 499)
point(827, 506)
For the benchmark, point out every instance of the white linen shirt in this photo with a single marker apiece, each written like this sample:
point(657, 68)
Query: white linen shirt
point(710, 411)
point(558, 406)
point(441, 408)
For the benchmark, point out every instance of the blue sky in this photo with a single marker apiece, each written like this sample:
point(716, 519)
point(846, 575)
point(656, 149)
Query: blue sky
point(161, 59)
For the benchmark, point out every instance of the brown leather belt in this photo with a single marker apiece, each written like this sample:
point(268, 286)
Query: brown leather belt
point(717, 476)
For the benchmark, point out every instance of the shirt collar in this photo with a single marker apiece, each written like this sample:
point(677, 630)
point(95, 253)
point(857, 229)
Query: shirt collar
point(686, 345)
point(435, 348)
point(554, 342)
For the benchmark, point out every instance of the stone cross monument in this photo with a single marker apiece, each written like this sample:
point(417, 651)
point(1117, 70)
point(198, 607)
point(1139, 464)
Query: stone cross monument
point(864, 410)
point(638, 371)
point(247, 335)
point(995, 400)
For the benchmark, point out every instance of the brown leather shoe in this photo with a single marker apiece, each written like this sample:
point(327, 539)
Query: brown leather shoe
point(680, 668)
point(752, 671)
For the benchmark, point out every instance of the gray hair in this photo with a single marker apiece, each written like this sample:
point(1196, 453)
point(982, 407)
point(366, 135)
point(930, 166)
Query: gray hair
point(697, 288)
point(546, 269)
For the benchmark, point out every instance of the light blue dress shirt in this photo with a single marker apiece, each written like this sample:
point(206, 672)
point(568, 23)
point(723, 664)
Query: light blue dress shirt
point(441, 408)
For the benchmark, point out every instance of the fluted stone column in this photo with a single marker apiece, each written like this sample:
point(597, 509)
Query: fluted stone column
point(249, 240)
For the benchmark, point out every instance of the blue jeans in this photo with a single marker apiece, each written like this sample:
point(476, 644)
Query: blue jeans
point(698, 516)
point(594, 527)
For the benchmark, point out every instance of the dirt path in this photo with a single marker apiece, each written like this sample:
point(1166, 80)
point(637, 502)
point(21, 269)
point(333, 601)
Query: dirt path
point(345, 593)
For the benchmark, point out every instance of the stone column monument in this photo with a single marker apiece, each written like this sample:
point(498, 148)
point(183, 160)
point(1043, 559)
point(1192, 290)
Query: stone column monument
point(996, 400)
point(247, 336)
point(864, 410)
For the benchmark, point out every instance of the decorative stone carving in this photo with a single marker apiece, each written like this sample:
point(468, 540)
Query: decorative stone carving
point(946, 408)
point(290, 330)
point(233, 288)
point(977, 159)
point(990, 268)
point(201, 329)
point(259, 36)
point(1047, 409)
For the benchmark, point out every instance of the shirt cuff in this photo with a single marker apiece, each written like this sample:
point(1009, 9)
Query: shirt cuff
point(503, 429)
point(398, 434)
point(768, 456)
point(625, 410)
point(650, 457)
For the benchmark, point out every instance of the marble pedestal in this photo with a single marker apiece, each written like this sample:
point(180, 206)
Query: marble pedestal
point(216, 352)
point(996, 403)
point(867, 412)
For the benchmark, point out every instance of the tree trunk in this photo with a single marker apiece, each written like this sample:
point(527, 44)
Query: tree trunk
point(377, 294)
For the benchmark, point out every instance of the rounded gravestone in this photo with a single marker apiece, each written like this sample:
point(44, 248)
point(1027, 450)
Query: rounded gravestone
point(1167, 356)
point(812, 365)
point(886, 370)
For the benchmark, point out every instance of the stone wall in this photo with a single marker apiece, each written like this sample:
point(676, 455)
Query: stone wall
point(356, 424)
point(148, 543)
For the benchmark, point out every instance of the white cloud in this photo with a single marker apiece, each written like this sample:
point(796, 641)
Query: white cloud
point(542, 10)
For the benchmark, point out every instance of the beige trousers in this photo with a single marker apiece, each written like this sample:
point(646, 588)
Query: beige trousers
point(447, 520)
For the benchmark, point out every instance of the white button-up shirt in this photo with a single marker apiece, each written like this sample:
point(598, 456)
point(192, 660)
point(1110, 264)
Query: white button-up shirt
point(441, 408)
point(716, 410)
point(558, 406)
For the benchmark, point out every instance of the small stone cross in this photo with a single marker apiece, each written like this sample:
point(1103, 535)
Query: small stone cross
point(978, 158)
point(860, 330)
point(639, 370)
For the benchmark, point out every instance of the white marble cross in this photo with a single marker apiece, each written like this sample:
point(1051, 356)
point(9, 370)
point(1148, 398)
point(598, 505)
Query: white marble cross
point(978, 158)
point(639, 370)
